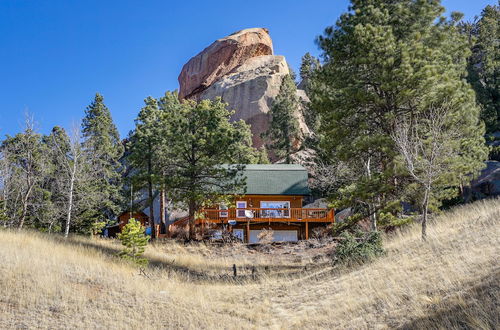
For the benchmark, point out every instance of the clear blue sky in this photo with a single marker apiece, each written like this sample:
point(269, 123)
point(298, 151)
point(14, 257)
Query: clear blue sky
point(55, 54)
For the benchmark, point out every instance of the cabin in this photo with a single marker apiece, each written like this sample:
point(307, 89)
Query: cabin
point(124, 218)
point(274, 199)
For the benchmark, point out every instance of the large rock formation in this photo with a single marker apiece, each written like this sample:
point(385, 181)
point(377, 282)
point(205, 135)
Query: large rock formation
point(241, 69)
point(487, 185)
point(220, 58)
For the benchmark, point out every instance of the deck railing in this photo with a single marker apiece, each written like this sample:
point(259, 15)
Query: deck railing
point(269, 214)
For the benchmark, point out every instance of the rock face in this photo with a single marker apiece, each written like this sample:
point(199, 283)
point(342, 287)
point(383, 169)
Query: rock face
point(242, 69)
point(220, 58)
point(250, 90)
point(487, 185)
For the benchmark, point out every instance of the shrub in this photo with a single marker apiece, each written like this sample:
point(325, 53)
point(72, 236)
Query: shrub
point(357, 250)
point(134, 239)
point(97, 227)
point(179, 232)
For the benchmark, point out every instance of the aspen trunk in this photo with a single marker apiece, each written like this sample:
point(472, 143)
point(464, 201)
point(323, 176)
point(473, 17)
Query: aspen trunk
point(70, 200)
point(25, 205)
point(371, 206)
point(151, 206)
point(425, 211)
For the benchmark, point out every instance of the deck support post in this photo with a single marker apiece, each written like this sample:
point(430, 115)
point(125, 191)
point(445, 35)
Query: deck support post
point(307, 230)
point(248, 231)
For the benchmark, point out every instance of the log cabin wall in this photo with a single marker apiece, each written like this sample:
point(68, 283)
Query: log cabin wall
point(139, 216)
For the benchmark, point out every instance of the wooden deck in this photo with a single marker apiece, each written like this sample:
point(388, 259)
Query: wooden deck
point(247, 216)
point(267, 215)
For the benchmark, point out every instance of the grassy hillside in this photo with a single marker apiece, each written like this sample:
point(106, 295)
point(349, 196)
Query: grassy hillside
point(452, 281)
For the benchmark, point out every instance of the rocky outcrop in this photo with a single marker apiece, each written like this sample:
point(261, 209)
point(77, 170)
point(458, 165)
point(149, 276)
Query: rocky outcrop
point(243, 71)
point(222, 57)
point(250, 91)
point(487, 184)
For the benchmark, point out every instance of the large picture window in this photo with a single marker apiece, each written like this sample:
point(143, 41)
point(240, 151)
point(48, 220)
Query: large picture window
point(283, 209)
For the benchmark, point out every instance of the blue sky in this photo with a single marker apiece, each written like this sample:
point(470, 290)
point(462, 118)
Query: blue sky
point(56, 54)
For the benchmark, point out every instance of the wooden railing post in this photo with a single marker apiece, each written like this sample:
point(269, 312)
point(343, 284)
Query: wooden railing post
point(307, 229)
point(248, 231)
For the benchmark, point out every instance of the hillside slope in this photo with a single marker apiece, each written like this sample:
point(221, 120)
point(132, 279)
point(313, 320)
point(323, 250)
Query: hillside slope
point(451, 281)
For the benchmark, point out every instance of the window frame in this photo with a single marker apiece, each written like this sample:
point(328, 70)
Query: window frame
point(284, 215)
point(238, 209)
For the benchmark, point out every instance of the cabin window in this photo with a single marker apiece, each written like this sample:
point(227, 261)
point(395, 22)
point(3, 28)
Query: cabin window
point(240, 209)
point(238, 233)
point(282, 209)
point(224, 213)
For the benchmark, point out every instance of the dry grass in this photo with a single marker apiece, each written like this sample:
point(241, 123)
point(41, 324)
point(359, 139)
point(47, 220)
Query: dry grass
point(452, 281)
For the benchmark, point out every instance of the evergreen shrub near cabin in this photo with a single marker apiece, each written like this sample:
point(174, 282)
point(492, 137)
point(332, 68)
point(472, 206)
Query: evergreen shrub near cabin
point(134, 239)
point(353, 249)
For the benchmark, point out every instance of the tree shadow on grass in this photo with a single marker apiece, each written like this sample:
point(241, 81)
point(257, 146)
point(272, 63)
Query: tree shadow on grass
point(244, 273)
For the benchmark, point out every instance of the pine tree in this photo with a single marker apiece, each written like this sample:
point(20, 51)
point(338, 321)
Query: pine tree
point(262, 157)
point(284, 132)
point(57, 143)
point(483, 64)
point(135, 242)
point(72, 181)
point(144, 152)
point(385, 61)
point(308, 66)
point(199, 139)
point(102, 145)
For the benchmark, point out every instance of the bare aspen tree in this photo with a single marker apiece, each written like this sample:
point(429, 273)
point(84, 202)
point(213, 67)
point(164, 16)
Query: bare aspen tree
point(4, 186)
point(73, 162)
point(25, 156)
point(427, 143)
point(9, 187)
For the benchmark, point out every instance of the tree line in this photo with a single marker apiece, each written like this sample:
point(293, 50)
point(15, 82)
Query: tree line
point(61, 182)
point(82, 181)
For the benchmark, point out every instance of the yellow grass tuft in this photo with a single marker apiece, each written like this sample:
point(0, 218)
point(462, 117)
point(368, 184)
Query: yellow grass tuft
point(452, 281)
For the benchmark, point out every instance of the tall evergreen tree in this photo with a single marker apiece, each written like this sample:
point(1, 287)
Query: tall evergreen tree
point(384, 61)
point(308, 66)
point(73, 183)
point(199, 140)
point(102, 145)
point(284, 132)
point(58, 147)
point(144, 152)
point(484, 64)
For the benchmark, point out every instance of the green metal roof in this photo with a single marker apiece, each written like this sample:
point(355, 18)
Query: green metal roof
point(276, 179)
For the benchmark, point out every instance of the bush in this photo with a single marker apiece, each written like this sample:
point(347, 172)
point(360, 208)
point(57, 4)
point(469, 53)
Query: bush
point(97, 227)
point(357, 250)
point(134, 239)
